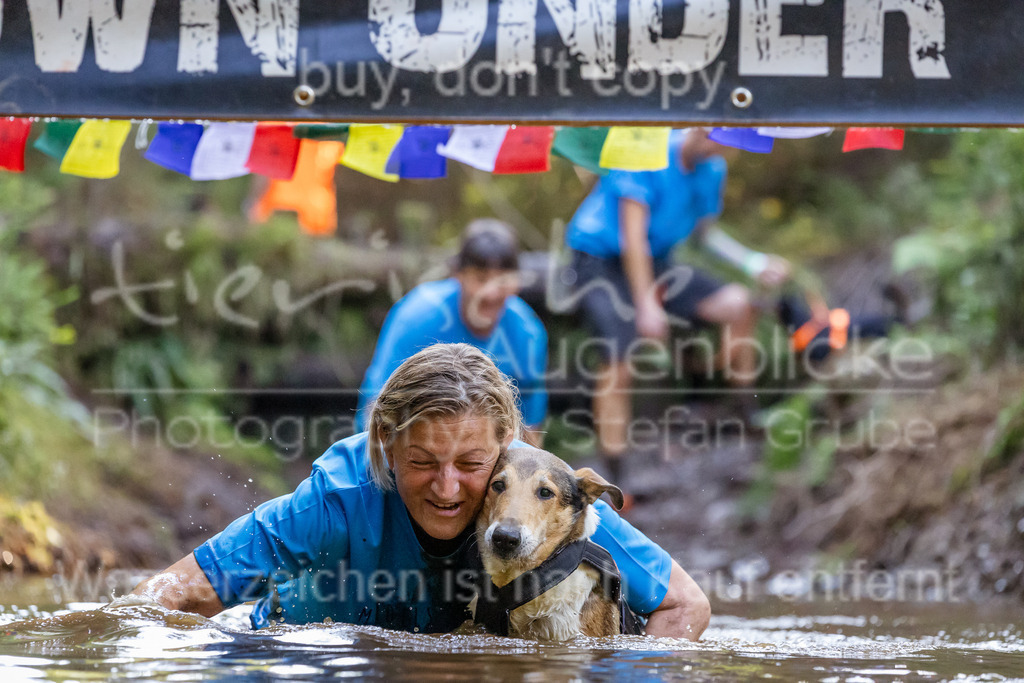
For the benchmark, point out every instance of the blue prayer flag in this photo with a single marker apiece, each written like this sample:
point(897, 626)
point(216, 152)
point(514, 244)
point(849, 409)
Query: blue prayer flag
point(743, 138)
point(415, 155)
point(174, 146)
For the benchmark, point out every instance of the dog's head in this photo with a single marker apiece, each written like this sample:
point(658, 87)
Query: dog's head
point(535, 504)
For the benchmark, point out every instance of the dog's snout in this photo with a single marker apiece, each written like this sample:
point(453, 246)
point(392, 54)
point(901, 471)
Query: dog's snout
point(505, 539)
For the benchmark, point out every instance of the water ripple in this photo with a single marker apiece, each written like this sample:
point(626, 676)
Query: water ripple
point(149, 642)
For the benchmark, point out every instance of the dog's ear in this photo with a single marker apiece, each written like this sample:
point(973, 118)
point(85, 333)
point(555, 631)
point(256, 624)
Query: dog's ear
point(593, 485)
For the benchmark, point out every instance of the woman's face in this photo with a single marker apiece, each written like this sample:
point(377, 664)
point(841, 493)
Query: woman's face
point(442, 467)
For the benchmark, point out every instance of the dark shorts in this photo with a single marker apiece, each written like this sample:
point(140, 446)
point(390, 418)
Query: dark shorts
point(607, 304)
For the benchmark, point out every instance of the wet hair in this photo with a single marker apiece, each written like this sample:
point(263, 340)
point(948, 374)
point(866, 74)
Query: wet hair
point(487, 243)
point(441, 381)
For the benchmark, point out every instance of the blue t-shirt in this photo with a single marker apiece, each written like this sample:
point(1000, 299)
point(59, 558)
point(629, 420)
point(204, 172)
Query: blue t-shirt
point(676, 198)
point(429, 314)
point(339, 547)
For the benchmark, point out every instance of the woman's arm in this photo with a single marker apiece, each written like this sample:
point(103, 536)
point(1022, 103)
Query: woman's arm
point(182, 586)
point(685, 611)
point(268, 546)
point(653, 582)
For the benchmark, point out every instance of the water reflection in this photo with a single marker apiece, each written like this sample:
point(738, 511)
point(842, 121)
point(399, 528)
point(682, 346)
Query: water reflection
point(114, 641)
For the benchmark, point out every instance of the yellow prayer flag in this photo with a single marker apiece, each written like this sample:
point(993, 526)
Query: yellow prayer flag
point(368, 149)
point(635, 148)
point(95, 151)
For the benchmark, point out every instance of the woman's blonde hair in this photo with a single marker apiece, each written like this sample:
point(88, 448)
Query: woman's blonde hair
point(443, 380)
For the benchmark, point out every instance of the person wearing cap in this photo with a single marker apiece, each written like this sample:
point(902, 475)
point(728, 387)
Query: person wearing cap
point(622, 236)
point(478, 305)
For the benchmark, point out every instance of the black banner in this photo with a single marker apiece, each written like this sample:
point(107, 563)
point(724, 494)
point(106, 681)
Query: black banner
point(732, 62)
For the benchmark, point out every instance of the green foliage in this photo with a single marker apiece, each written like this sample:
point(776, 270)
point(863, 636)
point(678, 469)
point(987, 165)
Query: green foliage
point(44, 431)
point(787, 432)
point(794, 443)
point(34, 201)
point(28, 334)
point(1009, 436)
point(808, 201)
point(970, 253)
point(41, 452)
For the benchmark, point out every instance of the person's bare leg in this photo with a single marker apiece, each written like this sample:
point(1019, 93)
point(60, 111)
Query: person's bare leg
point(613, 408)
point(730, 308)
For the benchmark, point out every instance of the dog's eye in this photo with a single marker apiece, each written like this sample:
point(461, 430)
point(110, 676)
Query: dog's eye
point(498, 486)
point(544, 493)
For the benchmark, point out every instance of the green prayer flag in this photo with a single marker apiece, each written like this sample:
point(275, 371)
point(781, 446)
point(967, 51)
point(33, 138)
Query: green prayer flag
point(56, 138)
point(321, 131)
point(581, 146)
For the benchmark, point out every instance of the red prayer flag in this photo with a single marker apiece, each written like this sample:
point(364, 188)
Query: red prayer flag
point(274, 151)
point(873, 138)
point(13, 136)
point(526, 149)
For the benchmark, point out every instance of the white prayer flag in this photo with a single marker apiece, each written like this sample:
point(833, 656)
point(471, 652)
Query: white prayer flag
point(793, 133)
point(223, 151)
point(475, 146)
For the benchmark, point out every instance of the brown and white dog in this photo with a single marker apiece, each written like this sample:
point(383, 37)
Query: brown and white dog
point(536, 506)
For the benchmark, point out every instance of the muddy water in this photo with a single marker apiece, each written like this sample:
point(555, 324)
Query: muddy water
point(777, 640)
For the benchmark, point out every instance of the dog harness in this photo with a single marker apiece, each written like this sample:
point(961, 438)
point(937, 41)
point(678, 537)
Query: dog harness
point(494, 605)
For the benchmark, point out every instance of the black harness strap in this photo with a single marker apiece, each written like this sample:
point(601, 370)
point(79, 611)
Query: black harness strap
point(611, 585)
point(494, 605)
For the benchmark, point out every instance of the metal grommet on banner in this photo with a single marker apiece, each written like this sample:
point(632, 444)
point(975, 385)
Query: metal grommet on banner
point(742, 98)
point(304, 96)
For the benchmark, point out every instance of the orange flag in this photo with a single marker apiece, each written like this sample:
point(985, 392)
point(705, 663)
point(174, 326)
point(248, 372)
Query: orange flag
point(310, 192)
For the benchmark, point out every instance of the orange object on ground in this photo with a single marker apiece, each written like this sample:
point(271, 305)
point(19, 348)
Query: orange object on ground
point(310, 192)
point(839, 327)
point(837, 321)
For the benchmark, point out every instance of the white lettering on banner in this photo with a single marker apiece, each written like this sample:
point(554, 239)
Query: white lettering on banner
point(198, 36)
point(394, 33)
point(588, 31)
point(704, 29)
point(270, 28)
point(587, 28)
point(765, 51)
point(59, 31)
point(864, 37)
point(384, 77)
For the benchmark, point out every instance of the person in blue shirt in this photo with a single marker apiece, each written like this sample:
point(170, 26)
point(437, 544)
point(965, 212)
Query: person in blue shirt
point(477, 306)
point(382, 531)
point(630, 291)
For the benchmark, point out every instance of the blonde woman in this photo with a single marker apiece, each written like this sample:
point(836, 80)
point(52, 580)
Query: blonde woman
point(381, 531)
